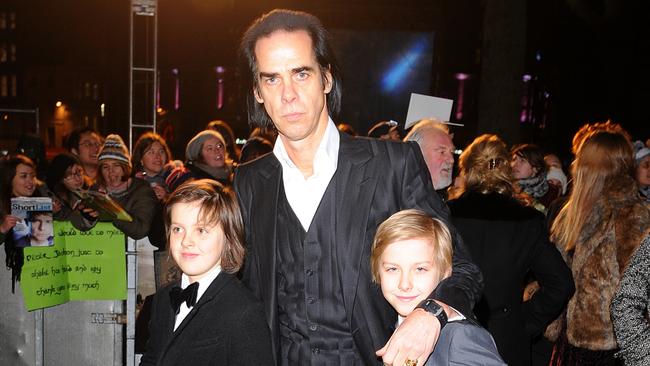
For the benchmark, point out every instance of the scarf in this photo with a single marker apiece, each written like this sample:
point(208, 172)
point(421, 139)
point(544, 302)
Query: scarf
point(536, 186)
point(217, 173)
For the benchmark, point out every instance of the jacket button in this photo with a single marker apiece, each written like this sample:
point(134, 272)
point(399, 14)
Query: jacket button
point(310, 300)
point(309, 272)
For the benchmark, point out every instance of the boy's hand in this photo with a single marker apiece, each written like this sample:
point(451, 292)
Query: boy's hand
point(414, 339)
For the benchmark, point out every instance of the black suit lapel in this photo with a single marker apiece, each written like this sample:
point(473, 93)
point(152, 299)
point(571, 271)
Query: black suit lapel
point(267, 189)
point(208, 296)
point(355, 187)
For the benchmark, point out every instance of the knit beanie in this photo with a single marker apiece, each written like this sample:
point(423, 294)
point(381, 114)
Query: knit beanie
point(193, 149)
point(58, 167)
point(557, 174)
point(640, 152)
point(114, 148)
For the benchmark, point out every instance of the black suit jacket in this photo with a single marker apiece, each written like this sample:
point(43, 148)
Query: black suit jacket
point(225, 327)
point(508, 241)
point(374, 179)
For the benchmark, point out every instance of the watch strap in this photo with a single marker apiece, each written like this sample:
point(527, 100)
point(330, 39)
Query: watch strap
point(434, 308)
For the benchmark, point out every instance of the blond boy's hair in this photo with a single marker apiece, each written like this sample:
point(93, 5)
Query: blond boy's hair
point(413, 224)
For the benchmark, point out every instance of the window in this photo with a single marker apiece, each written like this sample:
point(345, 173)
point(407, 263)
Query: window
point(3, 20)
point(3, 52)
point(12, 20)
point(14, 86)
point(12, 53)
point(4, 87)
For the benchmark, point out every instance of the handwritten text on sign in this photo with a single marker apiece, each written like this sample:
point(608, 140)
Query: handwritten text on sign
point(81, 265)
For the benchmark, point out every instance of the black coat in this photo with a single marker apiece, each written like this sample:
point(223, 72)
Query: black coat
point(225, 327)
point(374, 180)
point(508, 241)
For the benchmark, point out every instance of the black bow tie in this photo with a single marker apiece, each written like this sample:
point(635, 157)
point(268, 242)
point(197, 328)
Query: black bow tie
point(178, 296)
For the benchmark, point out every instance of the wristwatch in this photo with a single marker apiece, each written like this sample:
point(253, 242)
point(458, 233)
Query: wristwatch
point(432, 306)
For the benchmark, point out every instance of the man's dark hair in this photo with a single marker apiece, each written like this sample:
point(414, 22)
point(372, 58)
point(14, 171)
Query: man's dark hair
point(290, 21)
point(72, 142)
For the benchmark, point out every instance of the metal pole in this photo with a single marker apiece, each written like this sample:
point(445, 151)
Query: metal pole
point(131, 75)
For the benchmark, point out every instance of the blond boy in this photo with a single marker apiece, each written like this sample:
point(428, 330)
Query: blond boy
point(411, 254)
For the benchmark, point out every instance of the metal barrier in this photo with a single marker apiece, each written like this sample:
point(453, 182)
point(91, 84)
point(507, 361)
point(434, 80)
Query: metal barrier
point(95, 332)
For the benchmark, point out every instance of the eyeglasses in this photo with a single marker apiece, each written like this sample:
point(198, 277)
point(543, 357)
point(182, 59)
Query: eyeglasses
point(88, 144)
point(75, 174)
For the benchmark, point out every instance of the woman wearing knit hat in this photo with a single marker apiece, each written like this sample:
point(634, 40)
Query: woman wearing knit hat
point(133, 194)
point(206, 158)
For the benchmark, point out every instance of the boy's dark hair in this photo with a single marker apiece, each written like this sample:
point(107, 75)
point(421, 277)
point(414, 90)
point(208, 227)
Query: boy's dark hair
point(289, 21)
point(218, 207)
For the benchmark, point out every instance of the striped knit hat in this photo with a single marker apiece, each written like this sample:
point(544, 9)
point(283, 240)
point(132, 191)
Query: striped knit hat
point(114, 148)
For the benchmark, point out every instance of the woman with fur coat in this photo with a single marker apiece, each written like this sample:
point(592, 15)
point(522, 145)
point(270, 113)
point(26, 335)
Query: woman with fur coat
point(598, 230)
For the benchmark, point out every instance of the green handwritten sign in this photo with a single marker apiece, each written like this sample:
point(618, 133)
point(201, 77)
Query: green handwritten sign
point(82, 265)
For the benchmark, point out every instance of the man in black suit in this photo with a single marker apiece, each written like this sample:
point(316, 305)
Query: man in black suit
point(311, 209)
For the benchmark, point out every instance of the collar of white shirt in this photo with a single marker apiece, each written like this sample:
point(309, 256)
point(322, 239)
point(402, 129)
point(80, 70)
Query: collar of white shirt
point(204, 283)
point(304, 194)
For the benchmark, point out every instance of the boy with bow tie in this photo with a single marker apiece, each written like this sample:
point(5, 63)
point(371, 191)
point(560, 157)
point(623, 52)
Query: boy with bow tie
point(211, 319)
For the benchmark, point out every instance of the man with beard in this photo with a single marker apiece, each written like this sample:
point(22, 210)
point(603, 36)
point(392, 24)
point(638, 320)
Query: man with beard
point(438, 151)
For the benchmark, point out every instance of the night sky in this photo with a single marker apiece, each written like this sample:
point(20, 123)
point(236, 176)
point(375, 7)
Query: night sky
point(591, 57)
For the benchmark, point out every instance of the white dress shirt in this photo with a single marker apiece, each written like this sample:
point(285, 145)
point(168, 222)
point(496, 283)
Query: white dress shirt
point(304, 194)
point(204, 283)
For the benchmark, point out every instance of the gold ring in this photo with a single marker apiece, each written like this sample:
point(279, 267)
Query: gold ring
point(410, 362)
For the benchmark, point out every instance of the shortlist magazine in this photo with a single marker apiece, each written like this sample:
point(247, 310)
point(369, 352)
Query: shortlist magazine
point(35, 227)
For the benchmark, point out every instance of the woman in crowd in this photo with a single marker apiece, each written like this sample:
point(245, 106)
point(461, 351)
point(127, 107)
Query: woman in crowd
point(133, 194)
point(206, 158)
point(229, 137)
point(152, 161)
point(630, 308)
point(642, 162)
point(66, 176)
point(507, 240)
point(529, 169)
point(601, 225)
point(18, 179)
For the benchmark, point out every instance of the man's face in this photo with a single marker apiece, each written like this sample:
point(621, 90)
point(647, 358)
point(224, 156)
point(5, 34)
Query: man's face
point(290, 85)
point(42, 229)
point(89, 145)
point(438, 151)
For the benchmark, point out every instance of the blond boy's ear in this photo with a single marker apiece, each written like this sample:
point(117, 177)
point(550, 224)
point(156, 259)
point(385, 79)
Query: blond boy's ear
point(446, 274)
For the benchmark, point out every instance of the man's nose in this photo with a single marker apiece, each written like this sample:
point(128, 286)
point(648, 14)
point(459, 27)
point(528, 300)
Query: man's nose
point(288, 92)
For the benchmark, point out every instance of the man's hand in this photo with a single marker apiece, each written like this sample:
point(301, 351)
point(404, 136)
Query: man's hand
point(414, 339)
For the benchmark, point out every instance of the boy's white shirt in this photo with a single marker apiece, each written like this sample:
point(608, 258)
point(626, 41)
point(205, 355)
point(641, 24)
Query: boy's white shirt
point(204, 283)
